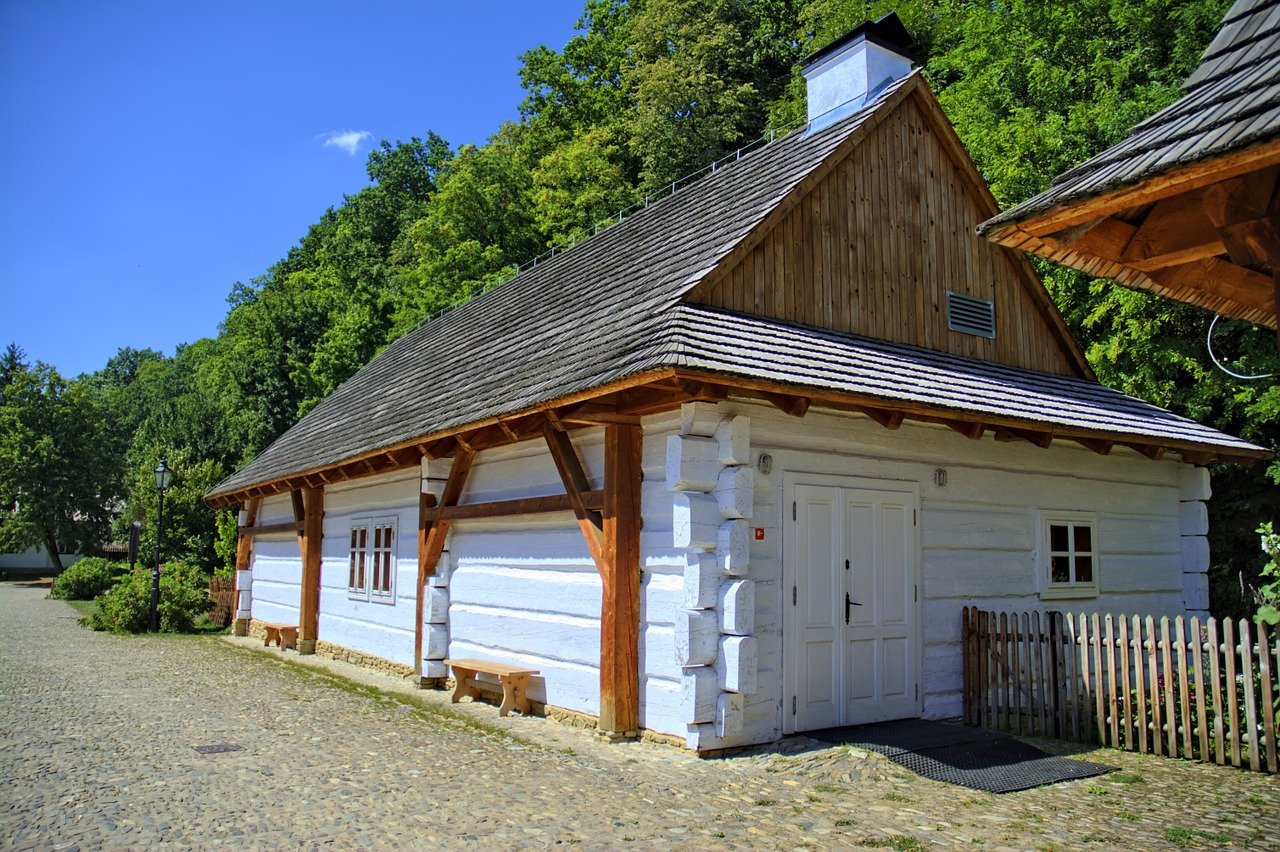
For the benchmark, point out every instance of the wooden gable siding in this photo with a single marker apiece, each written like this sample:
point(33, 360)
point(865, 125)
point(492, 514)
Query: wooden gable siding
point(874, 247)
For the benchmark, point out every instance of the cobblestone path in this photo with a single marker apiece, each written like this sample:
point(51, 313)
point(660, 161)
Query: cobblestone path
point(98, 751)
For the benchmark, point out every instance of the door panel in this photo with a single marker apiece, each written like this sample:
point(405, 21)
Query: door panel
point(856, 622)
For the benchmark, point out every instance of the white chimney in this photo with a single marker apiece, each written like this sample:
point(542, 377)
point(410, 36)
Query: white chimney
point(856, 67)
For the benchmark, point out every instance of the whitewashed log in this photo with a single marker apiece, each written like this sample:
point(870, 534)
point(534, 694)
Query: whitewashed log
point(738, 607)
point(244, 580)
point(692, 463)
point(699, 689)
point(1195, 554)
point(435, 472)
point(695, 521)
point(734, 438)
point(701, 581)
point(696, 635)
point(735, 491)
point(435, 641)
point(699, 418)
point(435, 605)
point(1195, 591)
point(729, 712)
point(1193, 518)
point(733, 547)
point(434, 668)
point(737, 664)
point(243, 517)
point(1193, 483)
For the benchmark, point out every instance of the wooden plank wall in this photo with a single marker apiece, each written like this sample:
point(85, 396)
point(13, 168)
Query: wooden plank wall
point(875, 246)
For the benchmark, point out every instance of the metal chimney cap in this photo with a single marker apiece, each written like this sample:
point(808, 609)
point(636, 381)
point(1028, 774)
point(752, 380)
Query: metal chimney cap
point(888, 32)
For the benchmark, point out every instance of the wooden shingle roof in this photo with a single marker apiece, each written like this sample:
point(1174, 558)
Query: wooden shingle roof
point(1230, 102)
point(610, 309)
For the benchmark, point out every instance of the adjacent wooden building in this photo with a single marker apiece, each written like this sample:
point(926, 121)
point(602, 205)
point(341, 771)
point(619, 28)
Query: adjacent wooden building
point(731, 468)
point(1187, 206)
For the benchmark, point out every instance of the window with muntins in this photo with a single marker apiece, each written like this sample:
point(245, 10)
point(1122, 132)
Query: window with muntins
point(371, 561)
point(1070, 563)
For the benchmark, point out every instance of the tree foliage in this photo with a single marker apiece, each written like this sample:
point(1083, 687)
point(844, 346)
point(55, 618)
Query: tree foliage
point(56, 470)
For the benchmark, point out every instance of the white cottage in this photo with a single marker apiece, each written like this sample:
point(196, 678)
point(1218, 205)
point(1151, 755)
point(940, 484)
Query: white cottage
point(730, 469)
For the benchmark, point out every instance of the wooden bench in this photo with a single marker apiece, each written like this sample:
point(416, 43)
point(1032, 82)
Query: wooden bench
point(514, 681)
point(284, 635)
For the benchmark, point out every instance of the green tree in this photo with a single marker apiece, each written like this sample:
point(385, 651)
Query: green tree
point(12, 362)
point(56, 472)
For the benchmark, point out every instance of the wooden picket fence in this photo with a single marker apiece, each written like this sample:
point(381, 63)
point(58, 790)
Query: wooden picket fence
point(1193, 688)
point(221, 600)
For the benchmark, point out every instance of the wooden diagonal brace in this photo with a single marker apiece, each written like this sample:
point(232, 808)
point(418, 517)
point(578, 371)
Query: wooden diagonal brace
point(576, 484)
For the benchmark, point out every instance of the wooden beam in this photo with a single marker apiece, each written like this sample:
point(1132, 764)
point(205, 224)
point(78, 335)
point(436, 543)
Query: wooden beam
point(1218, 277)
point(592, 500)
point(620, 582)
point(510, 433)
point(311, 543)
point(1190, 177)
point(267, 529)
point(429, 556)
point(1105, 238)
point(971, 430)
point(1100, 447)
point(1196, 458)
point(597, 414)
point(887, 418)
point(795, 406)
point(1174, 232)
point(1031, 436)
point(299, 511)
point(574, 476)
point(1151, 451)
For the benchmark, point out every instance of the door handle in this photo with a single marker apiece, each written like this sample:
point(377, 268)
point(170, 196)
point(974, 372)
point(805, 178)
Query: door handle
point(848, 603)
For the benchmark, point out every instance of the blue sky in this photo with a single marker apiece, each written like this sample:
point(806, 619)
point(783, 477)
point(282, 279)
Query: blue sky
point(154, 153)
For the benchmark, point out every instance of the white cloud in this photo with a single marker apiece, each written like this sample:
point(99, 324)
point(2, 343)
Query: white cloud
point(347, 140)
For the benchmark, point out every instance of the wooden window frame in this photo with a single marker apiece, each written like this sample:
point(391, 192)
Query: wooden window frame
point(1073, 589)
point(373, 527)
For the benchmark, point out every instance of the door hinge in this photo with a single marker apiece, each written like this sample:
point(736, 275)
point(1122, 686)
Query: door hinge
point(793, 705)
point(915, 593)
point(917, 692)
point(793, 595)
point(913, 517)
point(793, 510)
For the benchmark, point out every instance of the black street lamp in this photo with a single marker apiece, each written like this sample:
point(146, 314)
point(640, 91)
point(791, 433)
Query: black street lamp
point(164, 477)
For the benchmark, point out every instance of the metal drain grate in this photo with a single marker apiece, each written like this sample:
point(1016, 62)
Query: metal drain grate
point(218, 748)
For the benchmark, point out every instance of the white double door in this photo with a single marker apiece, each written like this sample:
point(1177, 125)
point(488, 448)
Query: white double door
point(853, 635)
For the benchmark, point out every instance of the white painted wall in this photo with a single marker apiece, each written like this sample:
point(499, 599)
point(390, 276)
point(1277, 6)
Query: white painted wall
point(978, 533)
point(36, 559)
point(276, 566)
point(381, 628)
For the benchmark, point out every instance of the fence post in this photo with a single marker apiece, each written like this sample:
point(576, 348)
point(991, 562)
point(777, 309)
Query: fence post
point(1055, 680)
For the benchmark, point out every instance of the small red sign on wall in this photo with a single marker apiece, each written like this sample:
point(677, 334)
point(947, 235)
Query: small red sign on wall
point(759, 533)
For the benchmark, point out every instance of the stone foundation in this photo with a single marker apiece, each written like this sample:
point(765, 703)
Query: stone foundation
point(359, 658)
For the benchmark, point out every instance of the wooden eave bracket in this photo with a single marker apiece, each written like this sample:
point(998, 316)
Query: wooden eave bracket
point(1011, 433)
point(793, 406)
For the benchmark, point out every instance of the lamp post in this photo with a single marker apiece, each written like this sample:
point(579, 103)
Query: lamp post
point(164, 477)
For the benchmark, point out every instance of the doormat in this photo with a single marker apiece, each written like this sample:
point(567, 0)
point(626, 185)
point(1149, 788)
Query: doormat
point(968, 757)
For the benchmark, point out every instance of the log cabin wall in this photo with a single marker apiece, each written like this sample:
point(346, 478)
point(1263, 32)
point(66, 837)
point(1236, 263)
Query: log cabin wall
point(875, 246)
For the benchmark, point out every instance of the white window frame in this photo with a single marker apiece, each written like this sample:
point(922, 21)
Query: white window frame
point(375, 529)
point(1073, 589)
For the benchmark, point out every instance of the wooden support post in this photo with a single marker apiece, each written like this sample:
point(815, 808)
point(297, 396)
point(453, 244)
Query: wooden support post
point(620, 580)
point(426, 503)
point(244, 558)
point(311, 543)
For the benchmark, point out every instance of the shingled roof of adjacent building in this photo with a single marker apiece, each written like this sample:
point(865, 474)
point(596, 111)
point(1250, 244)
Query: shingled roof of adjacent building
point(1230, 102)
point(611, 309)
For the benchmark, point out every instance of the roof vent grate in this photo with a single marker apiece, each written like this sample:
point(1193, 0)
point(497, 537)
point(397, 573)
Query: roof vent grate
point(971, 315)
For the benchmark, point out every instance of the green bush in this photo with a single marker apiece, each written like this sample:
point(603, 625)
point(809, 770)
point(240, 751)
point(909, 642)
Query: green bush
point(126, 608)
point(88, 578)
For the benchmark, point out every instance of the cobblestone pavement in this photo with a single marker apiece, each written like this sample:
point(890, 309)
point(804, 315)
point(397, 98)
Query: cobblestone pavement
point(99, 737)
